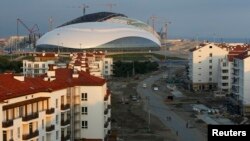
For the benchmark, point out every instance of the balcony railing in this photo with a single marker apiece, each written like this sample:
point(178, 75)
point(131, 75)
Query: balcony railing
point(65, 138)
point(7, 123)
point(65, 122)
point(31, 135)
point(30, 117)
point(109, 106)
point(50, 128)
point(106, 111)
point(65, 106)
point(50, 111)
point(106, 124)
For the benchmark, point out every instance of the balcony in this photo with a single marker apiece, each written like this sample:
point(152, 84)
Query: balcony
point(106, 124)
point(30, 117)
point(50, 128)
point(50, 111)
point(65, 138)
point(31, 135)
point(109, 106)
point(106, 97)
point(65, 106)
point(65, 122)
point(7, 123)
point(106, 111)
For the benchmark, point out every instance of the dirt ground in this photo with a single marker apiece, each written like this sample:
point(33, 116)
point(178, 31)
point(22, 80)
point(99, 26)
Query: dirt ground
point(128, 117)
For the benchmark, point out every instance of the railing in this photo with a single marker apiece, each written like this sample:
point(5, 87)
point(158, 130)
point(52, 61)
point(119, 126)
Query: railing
point(50, 111)
point(109, 119)
point(30, 117)
point(106, 111)
point(7, 123)
point(31, 135)
point(106, 124)
point(65, 122)
point(65, 138)
point(109, 106)
point(50, 128)
point(65, 106)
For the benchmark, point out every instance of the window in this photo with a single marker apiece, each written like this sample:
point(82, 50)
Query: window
point(56, 119)
point(210, 55)
point(224, 64)
point(57, 134)
point(199, 68)
point(210, 79)
point(42, 124)
point(210, 73)
point(84, 124)
point(106, 67)
point(210, 61)
point(199, 61)
point(224, 77)
point(84, 110)
point(224, 71)
point(224, 84)
point(106, 62)
point(56, 103)
point(43, 65)
point(210, 46)
point(106, 72)
point(36, 66)
point(18, 132)
point(84, 96)
point(210, 67)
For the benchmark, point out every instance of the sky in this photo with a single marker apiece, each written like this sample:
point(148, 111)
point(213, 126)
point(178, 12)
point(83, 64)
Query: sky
point(189, 18)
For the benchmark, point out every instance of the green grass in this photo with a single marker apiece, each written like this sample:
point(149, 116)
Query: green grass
point(140, 56)
point(8, 57)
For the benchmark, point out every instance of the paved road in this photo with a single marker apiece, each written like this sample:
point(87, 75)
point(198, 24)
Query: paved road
point(161, 110)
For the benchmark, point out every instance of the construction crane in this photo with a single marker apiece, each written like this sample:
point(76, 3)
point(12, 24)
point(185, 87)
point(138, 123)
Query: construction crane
point(164, 30)
point(50, 23)
point(153, 18)
point(32, 31)
point(83, 7)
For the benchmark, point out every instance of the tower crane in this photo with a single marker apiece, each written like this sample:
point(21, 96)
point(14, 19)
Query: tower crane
point(83, 7)
point(32, 31)
point(153, 18)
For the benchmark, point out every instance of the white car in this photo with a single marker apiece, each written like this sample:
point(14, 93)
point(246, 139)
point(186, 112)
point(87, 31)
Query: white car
point(144, 85)
point(156, 89)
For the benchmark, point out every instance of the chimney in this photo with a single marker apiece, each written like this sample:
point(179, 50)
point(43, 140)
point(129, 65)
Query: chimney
point(43, 54)
point(51, 71)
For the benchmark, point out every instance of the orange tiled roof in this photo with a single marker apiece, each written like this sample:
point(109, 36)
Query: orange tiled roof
point(11, 88)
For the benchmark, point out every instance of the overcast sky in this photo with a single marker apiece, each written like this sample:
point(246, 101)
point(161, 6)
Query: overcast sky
point(189, 18)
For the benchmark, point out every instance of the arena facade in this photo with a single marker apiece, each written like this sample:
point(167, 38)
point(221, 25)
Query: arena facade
point(100, 31)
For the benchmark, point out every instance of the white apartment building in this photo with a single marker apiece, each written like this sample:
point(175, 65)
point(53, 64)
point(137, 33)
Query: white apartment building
point(241, 83)
point(203, 66)
point(95, 63)
point(39, 65)
point(65, 105)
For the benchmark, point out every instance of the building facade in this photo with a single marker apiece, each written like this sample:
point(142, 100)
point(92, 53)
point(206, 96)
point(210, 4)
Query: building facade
point(240, 86)
point(203, 66)
point(65, 105)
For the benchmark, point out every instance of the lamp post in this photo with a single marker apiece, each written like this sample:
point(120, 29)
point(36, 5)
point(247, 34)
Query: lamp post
point(58, 34)
point(80, 47)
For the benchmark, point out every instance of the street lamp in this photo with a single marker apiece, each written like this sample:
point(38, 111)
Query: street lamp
point(80, 47)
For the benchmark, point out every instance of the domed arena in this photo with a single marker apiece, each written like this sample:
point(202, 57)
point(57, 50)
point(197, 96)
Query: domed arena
point(100, 31)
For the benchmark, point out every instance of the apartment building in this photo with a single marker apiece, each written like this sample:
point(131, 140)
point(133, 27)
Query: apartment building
point(95, 63)
point(241, 81)
point(39, 65)
point(64, 105)
point(203, 66)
